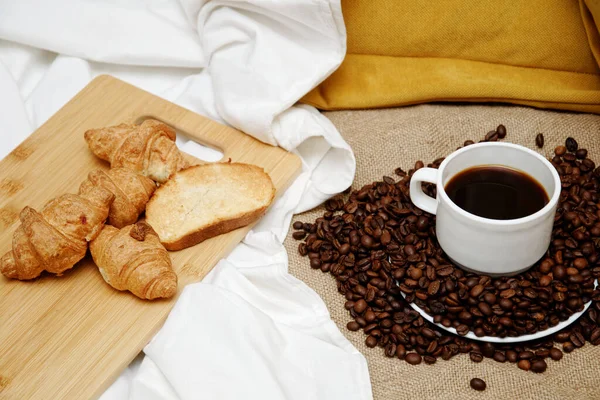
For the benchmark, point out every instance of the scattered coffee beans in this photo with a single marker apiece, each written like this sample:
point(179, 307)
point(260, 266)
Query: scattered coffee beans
point(571, 144)
point(539, 140)
point(501, 129)
point(478, 384)
point(378, 245)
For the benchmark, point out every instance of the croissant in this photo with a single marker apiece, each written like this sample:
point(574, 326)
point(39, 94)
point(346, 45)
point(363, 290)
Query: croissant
point(133, 259)
point(55, 239)
point(148, 149)
point(132, 191)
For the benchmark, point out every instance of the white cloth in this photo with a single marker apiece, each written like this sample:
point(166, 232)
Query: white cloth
point(249, 330)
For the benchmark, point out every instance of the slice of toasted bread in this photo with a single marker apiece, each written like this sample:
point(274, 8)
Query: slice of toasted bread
point(207, 200)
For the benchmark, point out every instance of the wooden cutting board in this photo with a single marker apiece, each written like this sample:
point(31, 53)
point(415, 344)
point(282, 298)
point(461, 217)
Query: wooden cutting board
point(69, 337)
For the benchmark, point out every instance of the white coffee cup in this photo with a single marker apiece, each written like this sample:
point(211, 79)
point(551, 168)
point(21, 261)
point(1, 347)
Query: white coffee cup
point(489, 246)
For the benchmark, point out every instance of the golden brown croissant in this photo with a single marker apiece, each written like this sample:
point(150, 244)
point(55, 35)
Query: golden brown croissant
point(148, 148)
point(55, 239)
point(132, 191)
point(133, 259)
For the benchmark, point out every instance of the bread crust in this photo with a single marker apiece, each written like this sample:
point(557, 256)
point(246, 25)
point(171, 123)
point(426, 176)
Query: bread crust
point(215, 229)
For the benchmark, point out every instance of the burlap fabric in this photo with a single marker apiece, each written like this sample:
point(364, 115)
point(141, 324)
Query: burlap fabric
point(385, 139)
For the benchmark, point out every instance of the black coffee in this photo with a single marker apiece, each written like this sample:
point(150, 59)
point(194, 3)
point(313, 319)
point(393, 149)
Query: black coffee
point(496, 192)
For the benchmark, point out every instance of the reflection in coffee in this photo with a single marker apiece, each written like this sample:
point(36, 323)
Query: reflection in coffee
point(496, 192)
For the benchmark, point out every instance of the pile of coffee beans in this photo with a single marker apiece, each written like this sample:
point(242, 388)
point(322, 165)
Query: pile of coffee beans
point(546, 294)
point(379, 246)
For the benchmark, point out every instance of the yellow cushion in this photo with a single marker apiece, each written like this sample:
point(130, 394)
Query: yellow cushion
point(543, 53)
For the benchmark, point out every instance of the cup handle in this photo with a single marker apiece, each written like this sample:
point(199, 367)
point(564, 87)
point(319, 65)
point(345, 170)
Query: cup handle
point(420, 199)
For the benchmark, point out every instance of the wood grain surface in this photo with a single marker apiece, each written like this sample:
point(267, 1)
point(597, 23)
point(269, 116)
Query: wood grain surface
point(69, 337)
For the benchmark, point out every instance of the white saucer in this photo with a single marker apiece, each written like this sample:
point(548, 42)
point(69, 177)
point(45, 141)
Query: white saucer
point(517, 339)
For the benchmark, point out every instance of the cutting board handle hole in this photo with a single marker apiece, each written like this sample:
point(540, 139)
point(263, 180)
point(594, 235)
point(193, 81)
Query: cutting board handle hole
point(190, 145)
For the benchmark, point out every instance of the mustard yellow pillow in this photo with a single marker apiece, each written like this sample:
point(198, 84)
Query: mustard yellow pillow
point(542, 53)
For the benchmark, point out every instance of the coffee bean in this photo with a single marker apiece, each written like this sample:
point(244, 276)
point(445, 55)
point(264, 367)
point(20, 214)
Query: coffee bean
point(413, 358)
point(370, 316)
point(360, 306)
point(499, 357)
point(370, 296)
point(476, 356)
point(568, 347)
point(400, 351)
point(580, 263)
point(385, 238)
point(468, 143)
point(511, 356)
point(462, 329)
point(577, 339)
point(595, 335)
point(488, 350)
point(545, 280)
point(507, 294)
point(525, 365)
point(344, 249)
point(370, 328)
point(485, 308)
point(581, 154)
point(297, 225)
point(491, 136)
point(428, 333)
point(353, 326)
point(390, 350)
point(571, 144)
point(530, 293)
point(302, 249)
point(476, 290)
point(506, 304)
point(556, 354)
point(543, 353)
point(478, 384)
point(489, 298)
point(371, 341)
point(570, 158)
point(560, 150)
point(386, 323)
point(366, 241)
point(539, 140)
point(433, 287)
point(526, 355)
point(539, 366)
point(444, 270)
point(429, 359)
point(315, 263)
point(501, 130)
point(299, 235)
point(415, 273)
point(560, 272)
point(575, 278)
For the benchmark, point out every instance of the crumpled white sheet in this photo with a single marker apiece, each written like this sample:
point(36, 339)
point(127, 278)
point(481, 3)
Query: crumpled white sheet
point(249, 330)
